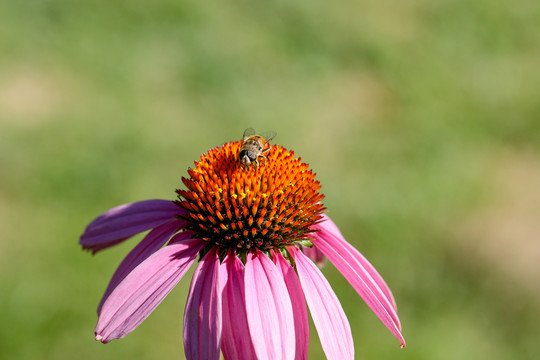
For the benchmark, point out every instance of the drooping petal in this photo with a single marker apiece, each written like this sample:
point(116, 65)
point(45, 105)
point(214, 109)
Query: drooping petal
point(301, 324)
point(144, 288)
point(326, 311)
point(269, 309)
point(353, 267)
point(327, 225)
point(149, 245)
point(202, 316)
point(235, 339)
point(126, 220)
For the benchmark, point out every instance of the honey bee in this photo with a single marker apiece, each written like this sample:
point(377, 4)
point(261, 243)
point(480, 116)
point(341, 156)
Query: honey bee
point(254, 147)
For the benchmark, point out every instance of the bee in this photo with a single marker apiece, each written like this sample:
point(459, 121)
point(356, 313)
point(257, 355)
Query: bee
point(254, 147)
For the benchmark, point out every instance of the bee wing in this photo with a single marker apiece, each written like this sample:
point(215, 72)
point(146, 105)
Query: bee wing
point(248, 132)
point(268, 135)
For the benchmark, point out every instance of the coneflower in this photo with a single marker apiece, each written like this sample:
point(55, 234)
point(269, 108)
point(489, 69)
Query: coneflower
point(248, 227)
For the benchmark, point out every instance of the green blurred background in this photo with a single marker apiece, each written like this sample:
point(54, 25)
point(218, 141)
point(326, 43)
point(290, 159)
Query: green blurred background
point(421, 119)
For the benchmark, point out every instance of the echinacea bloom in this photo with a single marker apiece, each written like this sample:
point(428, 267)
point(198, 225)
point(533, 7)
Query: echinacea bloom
point(247, 225)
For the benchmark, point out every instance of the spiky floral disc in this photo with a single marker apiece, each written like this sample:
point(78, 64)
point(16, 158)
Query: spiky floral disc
point(241, 207)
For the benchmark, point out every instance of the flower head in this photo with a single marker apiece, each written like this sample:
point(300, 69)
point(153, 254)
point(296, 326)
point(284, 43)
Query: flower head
point(249, 226)
point(250, 207)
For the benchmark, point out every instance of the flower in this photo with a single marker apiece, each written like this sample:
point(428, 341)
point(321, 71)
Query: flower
point(247, 225)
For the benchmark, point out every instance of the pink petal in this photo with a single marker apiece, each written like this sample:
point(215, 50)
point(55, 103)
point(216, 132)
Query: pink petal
point(144, 288)
point(149, 245)
point(361, 275)
point(326, 311)
point(269, 309)
point(235, 339)
point(296, 294)
point(126, 220)
point(327, 225)
point(202, 316)
point(315, 255)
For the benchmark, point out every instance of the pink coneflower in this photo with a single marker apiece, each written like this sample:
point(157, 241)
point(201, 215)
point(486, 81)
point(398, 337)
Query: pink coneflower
point(247, 225)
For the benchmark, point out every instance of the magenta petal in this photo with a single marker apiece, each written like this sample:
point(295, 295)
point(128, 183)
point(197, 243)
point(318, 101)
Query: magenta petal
point(315, 255)
point(355, 269)
point(144, 288)
point(202, 317)
point(326, 311)
point(269, 309)
point(126, 220)
point(296, 294)
point(327, 225)
point(235, 339)
point(149, 245)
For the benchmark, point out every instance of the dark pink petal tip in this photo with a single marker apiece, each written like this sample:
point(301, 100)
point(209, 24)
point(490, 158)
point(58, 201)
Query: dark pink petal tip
point(124, 221)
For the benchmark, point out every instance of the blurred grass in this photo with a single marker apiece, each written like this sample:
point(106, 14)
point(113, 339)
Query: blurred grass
point(407, 111)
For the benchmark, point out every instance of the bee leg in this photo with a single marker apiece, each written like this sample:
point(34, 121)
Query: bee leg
point(264, 152)
point(261, 156)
